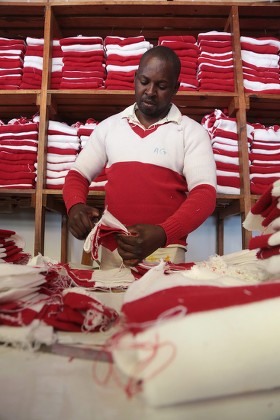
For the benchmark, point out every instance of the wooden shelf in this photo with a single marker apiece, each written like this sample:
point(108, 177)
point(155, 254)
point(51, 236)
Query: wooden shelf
point(72, 105)
point(52, 19)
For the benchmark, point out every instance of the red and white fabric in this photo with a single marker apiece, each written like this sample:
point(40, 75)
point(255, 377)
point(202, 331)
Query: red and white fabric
point(33, 64)
point(57, 64)
point(187, 50)
point(29, 293)
point(264, 217)
point(260, 61)
point(12, 248)
point(179, 332)
point(122, 60)
point(215, 61)
point(18, 153)
point(11, 63)
point(83, 59)
point(224, 138)
point(264, 157)
point(64, 144)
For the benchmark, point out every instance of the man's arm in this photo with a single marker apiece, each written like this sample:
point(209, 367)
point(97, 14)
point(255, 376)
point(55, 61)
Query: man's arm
point(197, 207)
point(81, 218)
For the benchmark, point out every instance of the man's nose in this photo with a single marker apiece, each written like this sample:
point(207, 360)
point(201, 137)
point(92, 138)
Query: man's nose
point(150, 89)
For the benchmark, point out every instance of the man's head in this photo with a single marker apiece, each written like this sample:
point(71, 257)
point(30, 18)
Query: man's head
point(156, 82)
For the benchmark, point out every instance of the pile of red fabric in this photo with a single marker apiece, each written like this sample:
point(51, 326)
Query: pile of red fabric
point(264, 217)
point(187, 50)
point(18, 153)
point(11, 62)
point(122, 60)
point(12, 248)
point(215, 62)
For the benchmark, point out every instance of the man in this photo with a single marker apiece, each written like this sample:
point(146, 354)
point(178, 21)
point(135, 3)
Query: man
point(160, 167)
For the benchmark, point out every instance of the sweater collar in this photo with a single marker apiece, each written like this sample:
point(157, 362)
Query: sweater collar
point(174, 115)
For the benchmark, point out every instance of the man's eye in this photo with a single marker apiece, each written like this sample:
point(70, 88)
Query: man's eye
point(162, 87)
point(144, 82)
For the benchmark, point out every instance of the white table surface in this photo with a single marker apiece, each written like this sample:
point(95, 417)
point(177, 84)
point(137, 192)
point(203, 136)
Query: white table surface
point(42, 386)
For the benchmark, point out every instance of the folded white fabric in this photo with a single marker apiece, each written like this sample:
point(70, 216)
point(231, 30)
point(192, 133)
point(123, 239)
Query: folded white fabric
point(171, 353)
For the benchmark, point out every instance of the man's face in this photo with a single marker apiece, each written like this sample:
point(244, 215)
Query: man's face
point(155, 85)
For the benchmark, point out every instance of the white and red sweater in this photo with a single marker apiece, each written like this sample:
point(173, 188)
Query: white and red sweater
point(162, 175)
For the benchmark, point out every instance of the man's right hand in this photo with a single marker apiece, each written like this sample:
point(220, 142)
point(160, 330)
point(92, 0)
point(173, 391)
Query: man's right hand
point(81, 220)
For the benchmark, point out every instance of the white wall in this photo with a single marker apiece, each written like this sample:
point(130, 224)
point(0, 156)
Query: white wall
point(201, 243)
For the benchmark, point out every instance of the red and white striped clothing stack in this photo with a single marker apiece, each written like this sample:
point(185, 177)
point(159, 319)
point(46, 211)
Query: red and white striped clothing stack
point(62, 150)
point(264, 157)
point(260, 60)
point(122, 60)
point(11, 63)
point(57, 64)
point(12, 248)
point(33, 64)
point(18, 153)
point(187, 50)
point(223, 133)
point(83, 62)
point(215, 62)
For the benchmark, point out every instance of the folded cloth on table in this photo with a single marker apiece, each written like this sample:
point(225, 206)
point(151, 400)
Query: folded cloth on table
point(179, 335)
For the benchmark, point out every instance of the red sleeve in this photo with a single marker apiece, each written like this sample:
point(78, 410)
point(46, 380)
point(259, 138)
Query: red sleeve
point(197, 207)
point(75, 189)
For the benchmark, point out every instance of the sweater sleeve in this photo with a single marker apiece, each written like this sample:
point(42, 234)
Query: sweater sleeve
point(197, 207)
point(75, 189)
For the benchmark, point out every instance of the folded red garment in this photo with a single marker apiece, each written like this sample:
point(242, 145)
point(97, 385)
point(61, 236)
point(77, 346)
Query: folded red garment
point(264, 157)
point(84, 40)
point(264, 169)
point(228, 181)
point(214, 88)
point(82, 54)
point(185, 38)
point(121, 41)
point(10, 63)
point(16, 175)
point(261, 49)
point(27, 157)
point(214, 43)
point(260, 79)
point(128, 62)
point(18, 127)
point(84, 85)
point(214, 50)
point(58, 151)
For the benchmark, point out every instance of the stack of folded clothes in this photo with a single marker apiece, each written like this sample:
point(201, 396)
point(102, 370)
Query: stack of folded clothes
point(264, 157)
point(11, 63)
point(33, 64)
point(264, 217)
point(187, 50)
point(18, 153)
point(122, 60)
point(12, 248)
point(223, 134)
point(215, 62)
point(260, 60)
point(83, 62)
point(57, 64)
point(62, 150)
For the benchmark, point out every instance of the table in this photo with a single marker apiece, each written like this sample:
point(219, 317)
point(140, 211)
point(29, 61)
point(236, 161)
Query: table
point(43, 386)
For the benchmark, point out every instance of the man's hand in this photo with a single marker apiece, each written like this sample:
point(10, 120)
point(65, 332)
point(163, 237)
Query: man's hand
point(143, 241)
point(81, 220)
